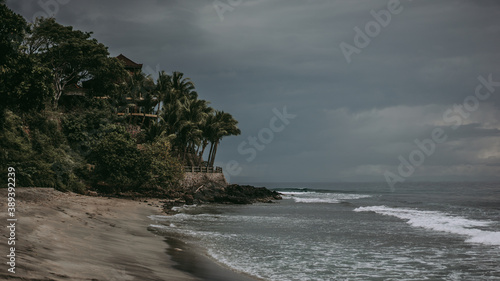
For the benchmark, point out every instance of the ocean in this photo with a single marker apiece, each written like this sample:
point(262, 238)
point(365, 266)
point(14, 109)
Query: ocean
point(352, 231)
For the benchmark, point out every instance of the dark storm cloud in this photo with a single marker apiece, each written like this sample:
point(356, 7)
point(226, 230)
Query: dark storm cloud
point(353, 119)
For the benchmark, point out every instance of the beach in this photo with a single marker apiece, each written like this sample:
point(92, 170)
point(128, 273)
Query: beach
point(67, 236)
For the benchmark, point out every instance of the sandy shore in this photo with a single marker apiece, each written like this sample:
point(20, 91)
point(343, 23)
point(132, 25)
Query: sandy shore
point(65, 236)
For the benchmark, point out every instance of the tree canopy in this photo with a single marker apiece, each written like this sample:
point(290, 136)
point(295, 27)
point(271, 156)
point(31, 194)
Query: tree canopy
point(72, 56)
point(23, 85)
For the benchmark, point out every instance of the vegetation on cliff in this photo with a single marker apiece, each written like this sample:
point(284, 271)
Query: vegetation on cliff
point(64, 114)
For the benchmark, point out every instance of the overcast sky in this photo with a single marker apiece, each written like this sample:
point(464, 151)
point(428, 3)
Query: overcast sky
point(361, 91)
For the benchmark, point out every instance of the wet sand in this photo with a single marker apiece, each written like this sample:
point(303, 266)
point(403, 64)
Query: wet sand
point(191, 259)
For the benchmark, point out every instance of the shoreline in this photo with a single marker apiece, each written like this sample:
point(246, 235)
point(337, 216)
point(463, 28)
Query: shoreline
point(67, 236)
point(192, 259)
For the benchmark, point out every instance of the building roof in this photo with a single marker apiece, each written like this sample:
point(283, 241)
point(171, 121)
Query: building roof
point(129, 64)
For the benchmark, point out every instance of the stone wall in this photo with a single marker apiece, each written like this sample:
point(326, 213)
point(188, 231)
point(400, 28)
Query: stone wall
point(198, 179)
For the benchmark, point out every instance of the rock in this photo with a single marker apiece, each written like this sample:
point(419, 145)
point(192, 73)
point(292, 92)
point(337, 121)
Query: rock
point(233, 193)
point(188, 198)
point(91, 193)
point(200, 188)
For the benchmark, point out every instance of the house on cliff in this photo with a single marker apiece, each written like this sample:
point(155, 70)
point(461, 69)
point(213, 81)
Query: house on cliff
point(130, 65)
point(135, 105)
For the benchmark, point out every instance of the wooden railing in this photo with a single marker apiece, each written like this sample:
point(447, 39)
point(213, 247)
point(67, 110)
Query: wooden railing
point(138, 114)
point(202, 169)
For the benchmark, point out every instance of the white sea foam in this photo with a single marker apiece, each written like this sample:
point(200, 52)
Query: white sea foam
point(315, 200)
point(296, 192)
point(158, 226)
point(176, 217)
point(440, 221)
point(183, 208)
point(158, 217)
point(316, 197)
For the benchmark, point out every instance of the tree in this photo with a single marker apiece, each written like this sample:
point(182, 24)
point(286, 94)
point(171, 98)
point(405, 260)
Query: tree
point(190, 122)
point(178, 95)
point(12, 30)
point(106, 79)
point(221, 125)
point(71, 55)
point(23, 81)
point(184, 87)
point(194, 113)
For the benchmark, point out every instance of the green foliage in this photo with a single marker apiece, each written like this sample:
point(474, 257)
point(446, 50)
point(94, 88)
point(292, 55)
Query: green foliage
point(104, 79)
point(72, 55)
point(122, 165)
point(44, 130)
point(15, 148)
point(12, 30)
point(166, 170)
point(83, 128)
point(220, 125)
point(193, 123)
point(31, 90)
point(37, 149)
point(119, 165)
point(24, 82)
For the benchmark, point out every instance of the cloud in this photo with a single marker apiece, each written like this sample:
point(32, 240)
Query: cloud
point(353, 120)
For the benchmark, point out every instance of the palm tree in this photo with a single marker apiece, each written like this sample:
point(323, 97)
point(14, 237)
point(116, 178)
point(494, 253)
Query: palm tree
point(208, 130)
point(193, 114)
point(189, 123)
point(183, 114)
point(184, 86)
point(223, 124)
point(196, 113)
point(173, 91)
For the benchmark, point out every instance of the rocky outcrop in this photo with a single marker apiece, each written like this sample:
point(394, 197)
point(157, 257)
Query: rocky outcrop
point(234, 194)
point(201, 188)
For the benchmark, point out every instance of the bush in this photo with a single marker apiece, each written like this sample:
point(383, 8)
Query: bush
point(38, 151)
point(166, 170)
point(83, 129)
point(119, 165)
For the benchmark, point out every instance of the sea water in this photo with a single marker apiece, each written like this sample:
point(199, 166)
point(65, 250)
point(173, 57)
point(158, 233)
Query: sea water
point(353, 231)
